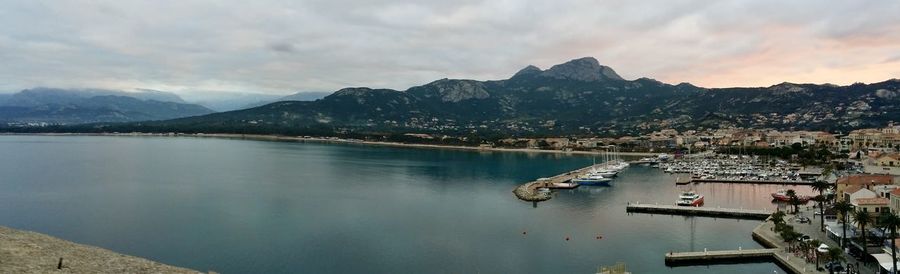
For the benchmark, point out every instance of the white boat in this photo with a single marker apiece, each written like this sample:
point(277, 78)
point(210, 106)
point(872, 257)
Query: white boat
point(690, 198)
point(603, 172)
point(592, 180)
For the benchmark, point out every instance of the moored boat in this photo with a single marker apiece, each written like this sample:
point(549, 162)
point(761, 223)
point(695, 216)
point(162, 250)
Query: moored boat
point(690, 198)
point(781, 195)
point(592, 180)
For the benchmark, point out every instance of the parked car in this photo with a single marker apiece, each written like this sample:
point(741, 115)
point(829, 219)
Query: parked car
point(804, 238)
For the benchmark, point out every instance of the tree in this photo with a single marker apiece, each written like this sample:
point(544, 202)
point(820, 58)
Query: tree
point(778, 217)
point(794, 200)
point(821, 200)
point(835, 254)
point(844, 209)
point(862, 220)
point(891, 222)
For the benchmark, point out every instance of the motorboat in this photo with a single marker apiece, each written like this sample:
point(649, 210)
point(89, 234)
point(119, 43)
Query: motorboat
point(690, 198)
point(781, 195)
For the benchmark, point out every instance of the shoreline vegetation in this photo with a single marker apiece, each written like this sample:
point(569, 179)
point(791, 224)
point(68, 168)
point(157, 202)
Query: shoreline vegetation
point(31, 252)
point(335, 140)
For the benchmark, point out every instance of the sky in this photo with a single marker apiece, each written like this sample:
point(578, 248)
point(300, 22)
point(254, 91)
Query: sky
point(282, 47)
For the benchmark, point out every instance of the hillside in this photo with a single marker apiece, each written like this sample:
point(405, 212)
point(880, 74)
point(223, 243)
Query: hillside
point(577, 97)
point(60, 106)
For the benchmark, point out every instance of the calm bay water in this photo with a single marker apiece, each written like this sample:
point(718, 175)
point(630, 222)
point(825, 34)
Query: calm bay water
point(237, 206)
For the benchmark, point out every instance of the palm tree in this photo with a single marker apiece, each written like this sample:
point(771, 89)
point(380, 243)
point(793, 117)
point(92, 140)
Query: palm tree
point(835, 254)
point(821, 187)
point(862, 219)
point(821, 200)
point(891, 222)
point(778, 217)
point(844, 209)
point(793, 198)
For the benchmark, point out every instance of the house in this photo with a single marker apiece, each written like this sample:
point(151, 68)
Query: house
point(873, 206)
point(895, 201)
point(862, 180)
point(883, 163)
point(854, 193)
point(888, 159)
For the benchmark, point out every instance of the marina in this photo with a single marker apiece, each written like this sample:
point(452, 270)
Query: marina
point(739, 213)
point(738, 169)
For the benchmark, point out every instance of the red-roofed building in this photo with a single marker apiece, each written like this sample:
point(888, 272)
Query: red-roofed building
point(863, 180)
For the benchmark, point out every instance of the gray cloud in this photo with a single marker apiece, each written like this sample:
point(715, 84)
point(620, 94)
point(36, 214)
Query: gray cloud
point(285, 46)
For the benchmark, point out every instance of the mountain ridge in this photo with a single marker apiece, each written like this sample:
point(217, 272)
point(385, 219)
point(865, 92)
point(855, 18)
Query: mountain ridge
point(576, 97)
point(75, 106)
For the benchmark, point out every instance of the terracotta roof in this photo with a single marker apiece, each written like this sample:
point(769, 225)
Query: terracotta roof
point(873, 201)
point(865, 179)
point(895, 192)
point(852, 189)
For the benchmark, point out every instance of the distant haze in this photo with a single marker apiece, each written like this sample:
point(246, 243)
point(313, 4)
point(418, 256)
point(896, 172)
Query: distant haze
point(277, 48)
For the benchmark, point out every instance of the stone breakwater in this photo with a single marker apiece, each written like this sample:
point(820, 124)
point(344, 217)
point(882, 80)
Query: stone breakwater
point(30, 252)
point(529, 192)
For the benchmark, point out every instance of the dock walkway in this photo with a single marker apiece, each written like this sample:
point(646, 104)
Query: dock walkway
point(741, 213)
point(729, 181)
point(719, 255)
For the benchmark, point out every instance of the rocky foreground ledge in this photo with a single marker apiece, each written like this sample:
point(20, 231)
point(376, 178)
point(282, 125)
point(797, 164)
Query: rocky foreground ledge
point(30, 252)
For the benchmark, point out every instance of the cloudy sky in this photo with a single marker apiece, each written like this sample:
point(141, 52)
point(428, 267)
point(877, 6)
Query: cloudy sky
point(281, 47)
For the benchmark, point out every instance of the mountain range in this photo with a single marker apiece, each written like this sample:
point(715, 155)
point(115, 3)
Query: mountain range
point(577, 97)
point(78, 106)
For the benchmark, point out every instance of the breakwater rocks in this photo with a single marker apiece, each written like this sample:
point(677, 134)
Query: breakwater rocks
point(529, 192)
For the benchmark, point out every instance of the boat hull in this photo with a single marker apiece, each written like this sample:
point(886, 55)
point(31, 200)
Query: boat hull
point(695, 203)
point(591, 182)
point(785, 198)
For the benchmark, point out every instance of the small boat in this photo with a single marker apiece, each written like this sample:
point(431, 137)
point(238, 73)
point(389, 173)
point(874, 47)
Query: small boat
point(592, 180)
point(690, 198)
point(781, 195)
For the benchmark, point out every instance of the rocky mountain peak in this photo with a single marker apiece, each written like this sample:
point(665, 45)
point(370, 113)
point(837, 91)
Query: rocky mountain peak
point(453, 90)
point(585, 69)
point(529, 70)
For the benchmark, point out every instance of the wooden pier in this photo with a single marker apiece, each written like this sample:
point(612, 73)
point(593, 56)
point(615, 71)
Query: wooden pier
point(751, 214)
point(679, 181)
point(529, 191)
point(719, 256)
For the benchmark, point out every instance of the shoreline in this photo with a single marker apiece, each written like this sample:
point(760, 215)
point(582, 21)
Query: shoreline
point(335, 140)
point(23, 251)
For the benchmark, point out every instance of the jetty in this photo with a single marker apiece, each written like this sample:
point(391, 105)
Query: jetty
point(530, 191)
point(752, 214)
point(775, 251)
point(679, 181)
point(719, 256)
